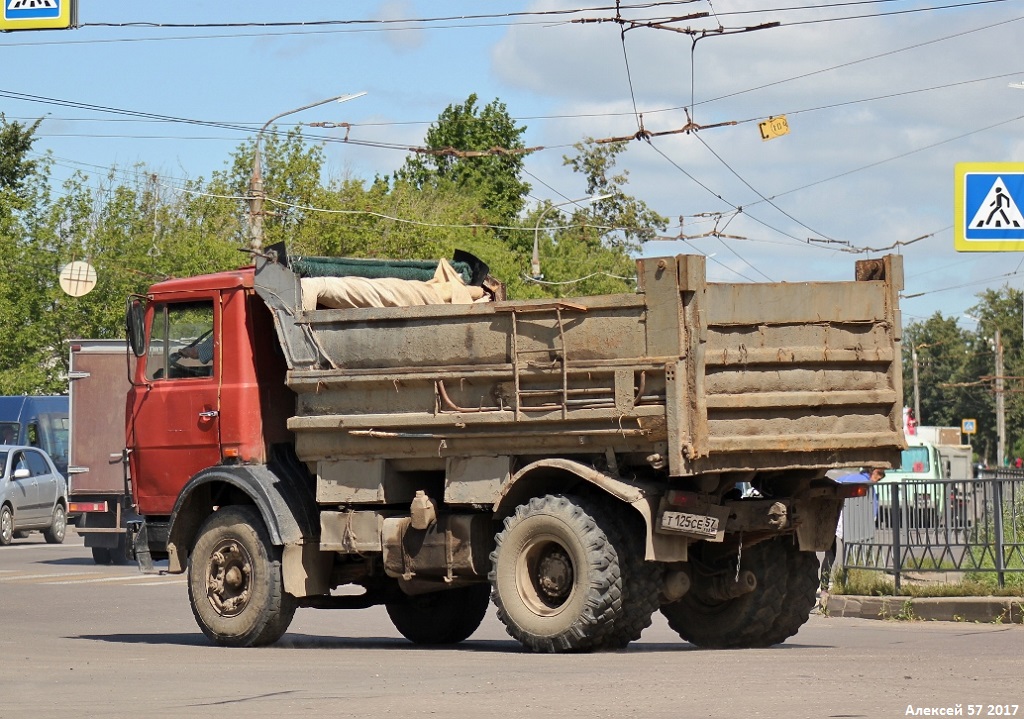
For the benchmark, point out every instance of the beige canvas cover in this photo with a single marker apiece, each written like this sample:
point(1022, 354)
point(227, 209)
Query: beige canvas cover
point(446, 287)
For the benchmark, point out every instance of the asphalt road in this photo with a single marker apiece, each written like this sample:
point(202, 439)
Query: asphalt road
point(92, 641)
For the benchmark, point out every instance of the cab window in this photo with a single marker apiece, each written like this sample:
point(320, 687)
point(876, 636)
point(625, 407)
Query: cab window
point(181, 342)
point(915, 459)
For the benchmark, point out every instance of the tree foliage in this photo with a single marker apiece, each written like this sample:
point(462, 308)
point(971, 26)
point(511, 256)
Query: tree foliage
point(16, 140)
point(495, 179)
point(634, 222)
point(957, 370)
point(134, 229)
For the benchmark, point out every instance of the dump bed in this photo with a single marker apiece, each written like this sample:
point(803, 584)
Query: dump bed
point(687, 374)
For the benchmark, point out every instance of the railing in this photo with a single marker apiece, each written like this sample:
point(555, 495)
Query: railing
point(961, 525)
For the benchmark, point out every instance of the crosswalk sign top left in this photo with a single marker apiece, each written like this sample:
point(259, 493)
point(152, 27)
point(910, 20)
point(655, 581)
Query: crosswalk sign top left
point(39, 14)
point(989, 207)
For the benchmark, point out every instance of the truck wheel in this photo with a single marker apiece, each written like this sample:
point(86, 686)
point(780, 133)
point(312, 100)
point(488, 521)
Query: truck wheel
point(745, 621)
point(445, 617)
point(54, 534)
point(556, 577)
point(642, 582)
point(801, 593)
point(6, 526)
point(101, 555)
point(234, 580)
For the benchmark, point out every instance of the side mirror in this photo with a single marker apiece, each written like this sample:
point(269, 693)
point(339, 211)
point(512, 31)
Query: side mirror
point(135, 324)
point(21, 473)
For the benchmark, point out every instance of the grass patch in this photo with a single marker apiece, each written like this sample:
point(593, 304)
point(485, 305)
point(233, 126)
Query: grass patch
point(862, 582)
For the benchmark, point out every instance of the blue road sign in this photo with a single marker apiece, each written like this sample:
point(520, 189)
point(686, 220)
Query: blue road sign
point(39, 15)
point(31, 9)
point(989, 206)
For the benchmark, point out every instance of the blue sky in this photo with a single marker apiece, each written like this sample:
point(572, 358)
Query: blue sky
point(880, 109)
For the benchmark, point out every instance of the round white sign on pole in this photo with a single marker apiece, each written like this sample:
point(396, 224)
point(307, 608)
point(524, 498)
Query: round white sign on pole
point(77, 278)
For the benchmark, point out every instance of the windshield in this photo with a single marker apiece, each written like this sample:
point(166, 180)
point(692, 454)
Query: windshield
point(915, 459)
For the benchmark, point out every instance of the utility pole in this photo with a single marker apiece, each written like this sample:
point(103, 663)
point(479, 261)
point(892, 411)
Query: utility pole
point(917, 392)
point(257, 194)
point(1000, 406)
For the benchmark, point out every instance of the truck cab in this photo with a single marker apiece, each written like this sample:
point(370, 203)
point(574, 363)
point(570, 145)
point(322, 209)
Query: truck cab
point(927, 472)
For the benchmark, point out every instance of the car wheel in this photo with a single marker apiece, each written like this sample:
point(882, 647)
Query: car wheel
point(54, 534)
point(6, 526)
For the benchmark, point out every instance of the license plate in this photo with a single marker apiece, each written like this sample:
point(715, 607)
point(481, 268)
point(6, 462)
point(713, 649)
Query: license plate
point(694, 523)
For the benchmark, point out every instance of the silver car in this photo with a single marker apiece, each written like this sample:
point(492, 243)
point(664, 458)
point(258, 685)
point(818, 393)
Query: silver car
point(33, 494)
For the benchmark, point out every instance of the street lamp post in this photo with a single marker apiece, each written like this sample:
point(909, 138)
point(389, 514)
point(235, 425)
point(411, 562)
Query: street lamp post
point(535, 262)
point(257, 195)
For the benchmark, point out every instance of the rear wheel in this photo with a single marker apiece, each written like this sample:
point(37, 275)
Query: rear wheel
point(446, 617)
point(234, 580)
point(6, 526)
point(54, 534)
point(705, 618)
point(101, 555)
point(556, 576)
point(801, 593)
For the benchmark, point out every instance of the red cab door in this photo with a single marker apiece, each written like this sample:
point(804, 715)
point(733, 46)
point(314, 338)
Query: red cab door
point(174, 422)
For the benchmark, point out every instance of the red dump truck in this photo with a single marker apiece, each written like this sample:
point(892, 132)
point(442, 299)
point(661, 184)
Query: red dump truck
point(573, 461)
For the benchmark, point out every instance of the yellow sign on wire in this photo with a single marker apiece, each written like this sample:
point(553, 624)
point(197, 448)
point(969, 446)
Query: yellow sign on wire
point(774, 127)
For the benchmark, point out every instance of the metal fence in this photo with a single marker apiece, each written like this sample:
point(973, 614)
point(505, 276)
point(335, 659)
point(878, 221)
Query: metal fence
point(962, 525)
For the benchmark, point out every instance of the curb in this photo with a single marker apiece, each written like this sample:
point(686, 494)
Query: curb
point(936, 609)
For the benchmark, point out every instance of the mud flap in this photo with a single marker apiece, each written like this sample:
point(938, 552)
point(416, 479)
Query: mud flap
point(138, 545)
point(816, 520)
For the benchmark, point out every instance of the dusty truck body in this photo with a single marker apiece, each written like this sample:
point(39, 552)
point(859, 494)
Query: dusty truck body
point(98, 384)
point(575, 461)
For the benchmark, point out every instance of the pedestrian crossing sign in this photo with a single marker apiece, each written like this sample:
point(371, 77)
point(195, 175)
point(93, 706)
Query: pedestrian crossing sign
point(989, 207)
point(39, 14)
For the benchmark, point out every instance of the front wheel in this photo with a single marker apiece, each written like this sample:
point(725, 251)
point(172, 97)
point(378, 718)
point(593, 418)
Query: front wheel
point(235, 584)
point(445, 617)
point(556, 576)
point(54, 534)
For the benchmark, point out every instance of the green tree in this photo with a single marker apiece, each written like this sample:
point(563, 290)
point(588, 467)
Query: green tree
point(590, 245)
point(1000, 309)
point(940, 346)
point(496, 179)
point(16, 140)
point(633, 221)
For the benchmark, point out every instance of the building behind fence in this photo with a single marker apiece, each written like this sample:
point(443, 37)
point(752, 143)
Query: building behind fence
point(956, 525)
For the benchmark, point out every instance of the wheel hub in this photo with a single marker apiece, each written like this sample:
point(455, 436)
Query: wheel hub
point(545, 576)
point(554, 574)
point(229, 574)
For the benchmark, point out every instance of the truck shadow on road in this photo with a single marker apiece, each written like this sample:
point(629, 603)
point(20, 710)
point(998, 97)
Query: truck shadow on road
point(484, 646)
